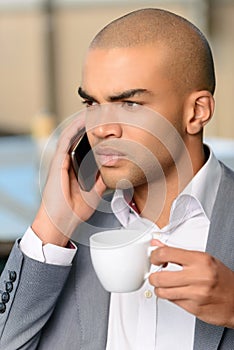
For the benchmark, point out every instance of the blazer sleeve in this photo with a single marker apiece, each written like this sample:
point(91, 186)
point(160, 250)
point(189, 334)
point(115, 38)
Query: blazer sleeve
point(28, 294)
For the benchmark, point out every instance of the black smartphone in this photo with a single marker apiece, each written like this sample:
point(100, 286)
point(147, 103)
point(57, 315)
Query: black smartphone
point(84, 163)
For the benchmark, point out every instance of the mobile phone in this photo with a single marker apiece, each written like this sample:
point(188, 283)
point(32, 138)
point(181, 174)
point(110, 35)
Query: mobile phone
point(84, 163)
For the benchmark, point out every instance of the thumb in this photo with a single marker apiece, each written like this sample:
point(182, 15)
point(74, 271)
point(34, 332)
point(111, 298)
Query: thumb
point(93, 197)
point(157, 243)
point(100, 187)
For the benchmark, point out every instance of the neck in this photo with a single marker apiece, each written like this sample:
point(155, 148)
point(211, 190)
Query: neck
point(154, 199)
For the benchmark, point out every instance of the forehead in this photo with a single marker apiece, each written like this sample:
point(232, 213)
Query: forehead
point(119, 69)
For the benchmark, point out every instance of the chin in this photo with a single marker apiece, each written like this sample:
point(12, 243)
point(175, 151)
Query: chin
point(123, 181)
point(122, 184)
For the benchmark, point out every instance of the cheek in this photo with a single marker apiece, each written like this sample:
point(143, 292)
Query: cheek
point(159, 157)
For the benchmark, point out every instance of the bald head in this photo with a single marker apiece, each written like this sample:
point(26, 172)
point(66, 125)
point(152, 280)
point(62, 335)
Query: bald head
point(188, 58)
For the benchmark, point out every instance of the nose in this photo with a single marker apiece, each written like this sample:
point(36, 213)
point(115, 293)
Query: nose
point(107, 130)
point(103, 122)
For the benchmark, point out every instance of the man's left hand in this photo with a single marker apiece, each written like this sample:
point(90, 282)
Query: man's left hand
point(204, 286)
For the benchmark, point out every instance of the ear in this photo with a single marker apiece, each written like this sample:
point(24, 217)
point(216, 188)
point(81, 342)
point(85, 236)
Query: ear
point(201, 108)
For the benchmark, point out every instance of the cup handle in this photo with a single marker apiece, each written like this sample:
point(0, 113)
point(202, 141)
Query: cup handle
point(147, 275)
point(150, 250)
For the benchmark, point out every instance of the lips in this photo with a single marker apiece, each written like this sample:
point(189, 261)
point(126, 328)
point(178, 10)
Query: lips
point(108, 156)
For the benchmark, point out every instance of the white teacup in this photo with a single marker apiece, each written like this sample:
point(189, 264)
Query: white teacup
point(121, 258)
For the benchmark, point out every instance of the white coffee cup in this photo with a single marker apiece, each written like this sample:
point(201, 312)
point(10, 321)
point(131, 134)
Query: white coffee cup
point(121, 258)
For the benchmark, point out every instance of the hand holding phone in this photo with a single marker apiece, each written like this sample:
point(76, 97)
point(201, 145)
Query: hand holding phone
point(84, 163)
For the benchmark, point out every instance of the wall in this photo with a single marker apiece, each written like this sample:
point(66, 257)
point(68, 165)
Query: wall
point(25, 88)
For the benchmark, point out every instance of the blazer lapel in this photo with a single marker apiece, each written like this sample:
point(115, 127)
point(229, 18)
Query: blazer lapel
point(220, 245)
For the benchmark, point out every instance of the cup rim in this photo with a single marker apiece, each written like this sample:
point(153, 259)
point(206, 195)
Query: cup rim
point(97, 245)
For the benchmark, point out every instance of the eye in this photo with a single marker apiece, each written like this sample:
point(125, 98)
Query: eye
point(131, 105)
point(89, 103)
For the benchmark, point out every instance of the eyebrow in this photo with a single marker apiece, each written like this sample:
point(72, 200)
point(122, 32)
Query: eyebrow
point(128, 94)
point(118, 97)
point(85, 95)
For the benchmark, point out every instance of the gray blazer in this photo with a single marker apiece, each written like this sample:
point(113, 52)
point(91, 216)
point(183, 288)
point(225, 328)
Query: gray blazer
point(65, 308)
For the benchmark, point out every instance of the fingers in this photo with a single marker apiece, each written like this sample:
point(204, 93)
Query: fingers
point(184, 277)
point(165, 254)
point(93, 197)
point(97, 190)
point(174, 294)
point(168, 279)
point(184, 297)
point(203, 287)
point(176, 285)
point(61, 160)
point(157, 242)
point(70, 133)
point(100, 186)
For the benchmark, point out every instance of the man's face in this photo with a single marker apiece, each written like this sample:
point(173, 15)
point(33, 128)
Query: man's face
point(127, 89)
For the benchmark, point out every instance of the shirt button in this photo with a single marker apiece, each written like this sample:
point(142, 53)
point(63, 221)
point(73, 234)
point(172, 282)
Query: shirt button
point(148, 294)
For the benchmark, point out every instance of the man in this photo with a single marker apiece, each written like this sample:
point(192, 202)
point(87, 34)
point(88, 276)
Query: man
point(157, 61)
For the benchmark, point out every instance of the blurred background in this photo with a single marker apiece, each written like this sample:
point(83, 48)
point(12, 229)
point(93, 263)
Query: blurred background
point(43, 43)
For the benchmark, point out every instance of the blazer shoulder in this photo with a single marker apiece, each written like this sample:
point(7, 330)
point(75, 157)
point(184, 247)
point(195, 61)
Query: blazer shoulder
point(221, 234)
point(227, 173)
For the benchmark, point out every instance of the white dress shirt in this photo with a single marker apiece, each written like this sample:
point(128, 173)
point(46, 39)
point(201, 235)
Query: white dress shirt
point(139, 320)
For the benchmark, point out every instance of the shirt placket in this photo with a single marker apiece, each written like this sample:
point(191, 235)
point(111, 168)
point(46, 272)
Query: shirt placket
point(148, 313)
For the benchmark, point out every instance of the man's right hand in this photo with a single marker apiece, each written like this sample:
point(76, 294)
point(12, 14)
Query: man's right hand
point(64, 205)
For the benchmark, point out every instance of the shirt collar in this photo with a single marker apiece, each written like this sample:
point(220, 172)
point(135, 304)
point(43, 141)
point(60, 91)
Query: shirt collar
point(198, 196)
point(121, 207)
